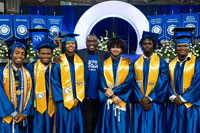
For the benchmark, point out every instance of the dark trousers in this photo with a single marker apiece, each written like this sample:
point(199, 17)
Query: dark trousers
point(90, 113)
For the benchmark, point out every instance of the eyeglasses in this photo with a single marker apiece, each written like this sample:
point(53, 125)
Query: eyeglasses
point(92, 41)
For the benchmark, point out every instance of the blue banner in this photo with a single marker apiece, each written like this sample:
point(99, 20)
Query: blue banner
point(156, 25)
point(37, 37)
point(6, 29)
point(191, 20)
point(172, 21)
point(54, 25)
point(38, 22)
point(21, 26)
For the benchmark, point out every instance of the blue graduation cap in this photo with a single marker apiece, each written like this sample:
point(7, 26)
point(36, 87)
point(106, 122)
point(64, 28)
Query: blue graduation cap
point(14, 42)
point(46, 43)
point(184, 32)
point(150, 34)
point(70, 37)
point(183, 40)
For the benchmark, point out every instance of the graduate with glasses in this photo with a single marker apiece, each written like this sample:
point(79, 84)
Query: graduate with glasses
point(68, 80)
point(16, 93)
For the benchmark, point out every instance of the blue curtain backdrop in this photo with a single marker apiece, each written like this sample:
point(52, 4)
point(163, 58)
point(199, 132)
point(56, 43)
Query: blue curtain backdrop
point(71, 15)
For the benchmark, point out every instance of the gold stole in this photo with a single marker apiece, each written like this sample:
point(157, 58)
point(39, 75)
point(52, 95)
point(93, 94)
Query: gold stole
point(40, 89)
point(10, 90)
point(153, 73)
point(188, 73)
point(67, 83)
point(123, 70)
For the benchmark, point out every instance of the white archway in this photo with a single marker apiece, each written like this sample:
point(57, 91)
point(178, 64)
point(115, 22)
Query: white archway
point(107, 9)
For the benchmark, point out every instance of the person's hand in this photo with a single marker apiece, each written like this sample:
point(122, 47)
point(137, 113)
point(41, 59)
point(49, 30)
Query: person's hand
point(75, 102)
point(116, 99)
point(19, 117)
point(128, 60)
point(109, 92)
point(146, 106)
point(57, 59)
point(178, 100)
point(145, 102)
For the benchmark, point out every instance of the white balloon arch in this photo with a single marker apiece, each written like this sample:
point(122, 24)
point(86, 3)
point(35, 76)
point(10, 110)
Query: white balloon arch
point(108, 9)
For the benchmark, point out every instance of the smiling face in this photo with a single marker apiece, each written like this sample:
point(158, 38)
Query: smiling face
point(18, 56)
point(70, 46)
point(45, 55)
point(182, 50)
point(92, 43)
point(115, 51)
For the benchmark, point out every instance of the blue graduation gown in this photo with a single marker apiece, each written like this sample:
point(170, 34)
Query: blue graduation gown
point(40, 123)
point(67, 121)
point(182, 119)
point(153, 120)
point(7, 108)
point(108, 121)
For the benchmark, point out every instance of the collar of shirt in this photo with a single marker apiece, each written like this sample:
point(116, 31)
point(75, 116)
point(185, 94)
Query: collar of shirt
point(15, 68)
point(147, 57)
point(187, 58)
point(46, 66)
point(116, 59)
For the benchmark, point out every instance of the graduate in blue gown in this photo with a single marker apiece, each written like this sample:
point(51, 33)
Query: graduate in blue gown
point(150, 90)
point(16, 92)
point(68, 80)
point(115, 75)
point(44, 106)
point(183, 112)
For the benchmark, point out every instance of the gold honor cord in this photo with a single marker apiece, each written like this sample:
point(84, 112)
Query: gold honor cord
point(66, 80)
point(11, 84)
point(123, 70)
point(188, 73)
point(152, 76)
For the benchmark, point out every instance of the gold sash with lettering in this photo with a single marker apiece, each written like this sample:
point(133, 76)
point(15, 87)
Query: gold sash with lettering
point(67, 83)
point(123, 70)
point(40, 89)
point(10, 90)
point(188, 73)
point(153, 73)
